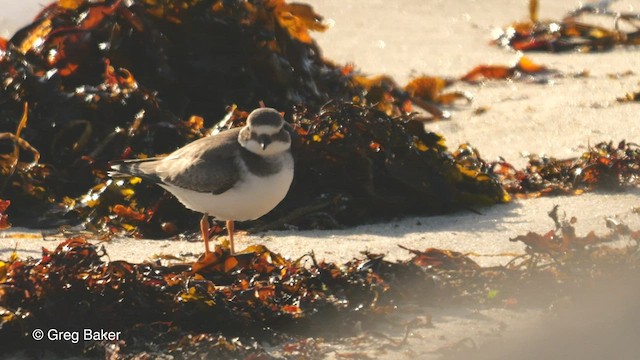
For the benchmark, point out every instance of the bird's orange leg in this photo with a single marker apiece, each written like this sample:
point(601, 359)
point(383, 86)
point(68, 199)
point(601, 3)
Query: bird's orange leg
point(230, 230)
point(204, 229)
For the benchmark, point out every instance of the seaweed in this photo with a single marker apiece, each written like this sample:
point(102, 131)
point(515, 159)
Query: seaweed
point(571, 33)
point(117, 79)
point(257, 294)
point(233, 306)
point(524, 67)
point(606, 166)
point(630, 97)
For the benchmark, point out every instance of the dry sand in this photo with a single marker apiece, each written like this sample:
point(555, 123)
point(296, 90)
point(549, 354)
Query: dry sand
point(403, 38)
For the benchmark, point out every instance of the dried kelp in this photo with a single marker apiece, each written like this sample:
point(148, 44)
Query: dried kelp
point(630, 97)
point(524, 67)
point(425, 92)
point(572, 32)
point(229, 305)
point(119, 79)
point(429, 92)
point(563, 239)
point(604, 166)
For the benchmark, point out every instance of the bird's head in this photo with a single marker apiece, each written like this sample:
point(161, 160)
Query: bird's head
point(266, 133)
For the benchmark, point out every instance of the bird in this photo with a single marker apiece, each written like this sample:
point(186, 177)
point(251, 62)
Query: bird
point(238, 174)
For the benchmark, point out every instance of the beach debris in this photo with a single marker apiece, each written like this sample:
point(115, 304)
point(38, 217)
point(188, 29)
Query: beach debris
point(523, 67)
point(563, 238)
point(443, 259)
point(630, 97)
point(427, 92)
point(605, 165)
point(573, 32)
point(233, 305)
point(562, 253)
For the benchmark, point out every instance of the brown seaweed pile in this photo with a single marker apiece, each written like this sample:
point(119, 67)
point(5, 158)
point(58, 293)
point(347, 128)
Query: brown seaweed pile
point(257, 295)
point(235, 305)
point(117, 79)
point(604, 166)
point(572, 33)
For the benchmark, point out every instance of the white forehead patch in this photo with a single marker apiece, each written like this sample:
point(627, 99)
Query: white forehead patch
point(265, 129)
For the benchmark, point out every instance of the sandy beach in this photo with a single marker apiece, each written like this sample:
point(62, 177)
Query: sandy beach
point(406, 38)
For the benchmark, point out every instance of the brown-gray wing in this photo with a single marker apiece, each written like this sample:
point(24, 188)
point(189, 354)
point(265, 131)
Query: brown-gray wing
point(207, 165)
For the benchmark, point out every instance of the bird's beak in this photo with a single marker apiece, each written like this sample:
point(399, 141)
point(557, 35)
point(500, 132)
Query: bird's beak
point(264, 141)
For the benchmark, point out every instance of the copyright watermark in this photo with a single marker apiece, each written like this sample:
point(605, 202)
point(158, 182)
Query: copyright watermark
point(75, 336)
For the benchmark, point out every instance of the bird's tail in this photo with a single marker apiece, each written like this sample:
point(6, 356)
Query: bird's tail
point(137, 167)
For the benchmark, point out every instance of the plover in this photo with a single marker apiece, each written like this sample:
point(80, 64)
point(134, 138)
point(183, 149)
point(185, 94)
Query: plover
point(237, 175)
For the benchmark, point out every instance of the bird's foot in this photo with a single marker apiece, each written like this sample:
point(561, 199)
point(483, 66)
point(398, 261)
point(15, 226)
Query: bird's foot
point(205, 230)
point(231, 230)
point(220, 260)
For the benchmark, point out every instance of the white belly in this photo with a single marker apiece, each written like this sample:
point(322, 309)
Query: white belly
point(249, 199)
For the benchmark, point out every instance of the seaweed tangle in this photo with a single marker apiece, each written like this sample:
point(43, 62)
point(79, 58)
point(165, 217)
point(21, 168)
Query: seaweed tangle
point(573, 32)
point(234, 305)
